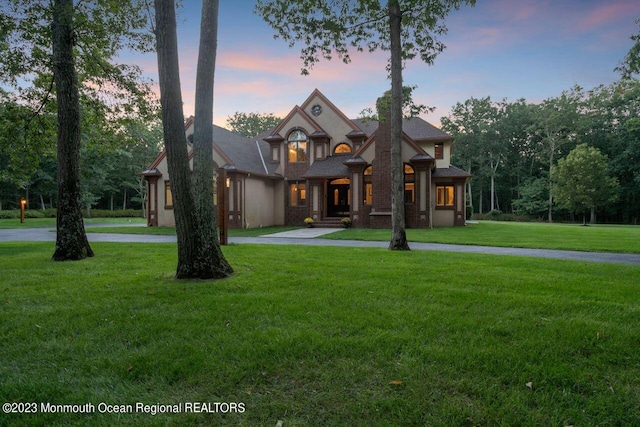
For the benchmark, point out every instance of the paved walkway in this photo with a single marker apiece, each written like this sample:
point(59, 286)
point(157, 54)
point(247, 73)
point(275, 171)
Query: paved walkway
point(309, 237)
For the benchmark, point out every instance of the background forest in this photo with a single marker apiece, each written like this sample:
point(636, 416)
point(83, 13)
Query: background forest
point(114, 151)
point(512, 148)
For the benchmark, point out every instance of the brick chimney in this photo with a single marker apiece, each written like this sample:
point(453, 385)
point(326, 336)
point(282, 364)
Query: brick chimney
point(381, 173)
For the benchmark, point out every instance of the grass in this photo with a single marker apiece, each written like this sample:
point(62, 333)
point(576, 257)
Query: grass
point(171, 231)
point(594, 238)
point(51, 222)
point(300, 335)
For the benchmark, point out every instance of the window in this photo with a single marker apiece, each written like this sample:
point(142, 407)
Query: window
point(168, 196)
point(368, 186)
point(215, 188)
point(409, 184)
point(297, 194)
point(342, 148)
point(444, 196)
point(297, 146)
point(439, 151)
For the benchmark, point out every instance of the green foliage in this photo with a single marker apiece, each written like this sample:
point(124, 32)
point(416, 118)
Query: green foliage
point(531, 138)
point(409, 108)
point(117, 213)
point(631, 64)
point(581, 181)
point(251, 124)
point(26, 137)
point(534, 194)
point(328, 28)
point(103, 29)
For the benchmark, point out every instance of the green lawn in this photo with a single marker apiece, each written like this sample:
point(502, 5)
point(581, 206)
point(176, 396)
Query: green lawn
point(171, 231)
point(51, 222)
point(321, 336)
point(593, 238)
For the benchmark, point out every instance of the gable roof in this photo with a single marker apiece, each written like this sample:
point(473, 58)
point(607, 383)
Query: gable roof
point(240, 153)
point(416, 128)
point(317, 94)
point(450, 172)
point(297, 110)
point(330, 167)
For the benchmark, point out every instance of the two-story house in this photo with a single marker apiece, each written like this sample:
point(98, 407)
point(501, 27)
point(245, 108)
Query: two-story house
point(318, 163)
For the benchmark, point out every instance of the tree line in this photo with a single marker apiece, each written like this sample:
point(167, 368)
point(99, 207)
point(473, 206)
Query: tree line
point(112, 154)
point(518, 151)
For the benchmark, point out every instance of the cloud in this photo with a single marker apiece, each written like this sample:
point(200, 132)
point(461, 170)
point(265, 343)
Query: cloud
point(606, 14)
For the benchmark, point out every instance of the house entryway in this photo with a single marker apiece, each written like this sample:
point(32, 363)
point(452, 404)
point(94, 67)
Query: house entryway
point(339, 198)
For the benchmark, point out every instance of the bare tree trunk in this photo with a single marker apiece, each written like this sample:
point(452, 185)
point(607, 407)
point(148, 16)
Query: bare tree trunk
point(398, 233)
point(214, 264)
point(175, 139)
point(196, 253)
point(552, 148)
point(71, 239)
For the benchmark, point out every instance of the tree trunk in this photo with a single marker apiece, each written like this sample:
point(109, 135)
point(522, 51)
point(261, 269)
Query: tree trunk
point(213, 262)
point(194, 258)
point(493, 191)
point(174, 137)
point(71, 239)
point(398, 233)
point(552, 148)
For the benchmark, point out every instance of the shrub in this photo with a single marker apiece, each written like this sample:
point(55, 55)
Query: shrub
point(118, 213)
point(9, 214)
point(33, 214)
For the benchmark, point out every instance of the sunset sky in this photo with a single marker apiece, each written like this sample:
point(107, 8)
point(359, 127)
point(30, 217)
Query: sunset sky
point(530, 49)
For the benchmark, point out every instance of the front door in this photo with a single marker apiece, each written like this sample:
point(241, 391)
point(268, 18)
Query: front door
point(339, 197)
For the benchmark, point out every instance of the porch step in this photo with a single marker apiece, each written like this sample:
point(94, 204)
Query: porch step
point(328, 223)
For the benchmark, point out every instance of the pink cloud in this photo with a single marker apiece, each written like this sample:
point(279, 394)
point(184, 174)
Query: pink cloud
point(608, 13)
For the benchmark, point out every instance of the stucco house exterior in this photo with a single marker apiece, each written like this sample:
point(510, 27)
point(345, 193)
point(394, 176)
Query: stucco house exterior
point(318, 163)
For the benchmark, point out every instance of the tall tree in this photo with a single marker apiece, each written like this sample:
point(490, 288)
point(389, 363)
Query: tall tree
point(474, 123)
point(251, 124)
point(581, 181)
point(405, 28)
point(558, 124)
point(199, 254)
point(63, 50)
point(213, 263)
point(613, 117)
point(71, 239)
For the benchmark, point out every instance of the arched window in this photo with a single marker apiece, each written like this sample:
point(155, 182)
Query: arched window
point(342, 148)
point(409, 184)
point(297, 142)
point(368, 185)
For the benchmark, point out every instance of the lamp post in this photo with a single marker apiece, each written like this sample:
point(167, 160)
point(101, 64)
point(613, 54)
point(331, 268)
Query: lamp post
point(23, 204)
